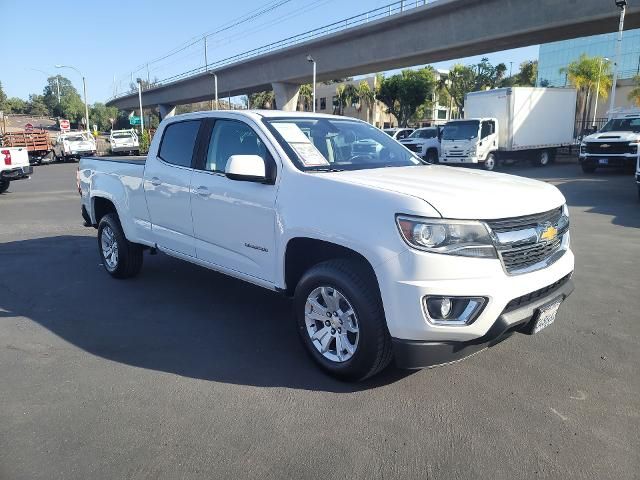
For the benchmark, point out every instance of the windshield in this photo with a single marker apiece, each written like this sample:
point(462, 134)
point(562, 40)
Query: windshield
point(328, 144)
point(622, 125)
point(460, 130)
point(425, 133)
point(389, 132)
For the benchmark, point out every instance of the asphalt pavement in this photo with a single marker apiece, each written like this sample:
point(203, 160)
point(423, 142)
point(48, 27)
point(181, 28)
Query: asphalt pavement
point(185, 373)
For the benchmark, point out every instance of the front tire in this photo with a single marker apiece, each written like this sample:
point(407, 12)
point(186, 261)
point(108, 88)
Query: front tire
point(432, 156)
point(4, 185)
point(490, 163)
point(120, 257)
point(542, 159)
point(341, 320)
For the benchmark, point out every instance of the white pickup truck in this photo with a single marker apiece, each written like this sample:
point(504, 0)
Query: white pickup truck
point(385, 256)
point(14, 165)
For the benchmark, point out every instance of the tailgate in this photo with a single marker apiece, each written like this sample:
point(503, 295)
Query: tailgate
point(13, 157)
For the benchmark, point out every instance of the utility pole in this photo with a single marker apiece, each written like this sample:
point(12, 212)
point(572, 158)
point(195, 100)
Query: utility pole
point(58, 85)
point(140, 102)
point(148, 78)
point(206, 61)
point(510, 69)
point(622, 5)
point(310, 59)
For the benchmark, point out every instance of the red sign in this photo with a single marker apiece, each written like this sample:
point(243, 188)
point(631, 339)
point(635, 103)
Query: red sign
point(64, 125)
point(28, 127)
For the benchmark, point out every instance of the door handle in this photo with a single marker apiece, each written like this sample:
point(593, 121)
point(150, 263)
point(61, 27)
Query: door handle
point(202, 191)
point(155, 181)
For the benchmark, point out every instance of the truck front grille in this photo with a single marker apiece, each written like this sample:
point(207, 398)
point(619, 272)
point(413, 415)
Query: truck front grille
point(609, 148)
point(526, 255)
point(413, 147)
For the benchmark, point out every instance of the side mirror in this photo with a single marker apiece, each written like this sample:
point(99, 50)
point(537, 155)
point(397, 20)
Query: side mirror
point(246, 168)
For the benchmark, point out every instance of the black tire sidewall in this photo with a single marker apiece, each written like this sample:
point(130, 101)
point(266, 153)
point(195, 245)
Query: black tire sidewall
point(112, 221)
point(4, 185)
point(358, 366)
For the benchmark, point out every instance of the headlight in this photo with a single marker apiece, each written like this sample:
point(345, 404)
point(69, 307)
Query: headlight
point(583, 149)
point(453, 237)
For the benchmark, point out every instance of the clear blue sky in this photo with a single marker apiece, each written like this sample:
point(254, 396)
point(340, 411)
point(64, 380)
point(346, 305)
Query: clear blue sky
point(107, 39)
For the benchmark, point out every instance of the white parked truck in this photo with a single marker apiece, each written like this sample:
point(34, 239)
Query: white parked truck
point(124, 141)
point(14, 165)
point(385, 255)
point(73, 146)
point(511, 124)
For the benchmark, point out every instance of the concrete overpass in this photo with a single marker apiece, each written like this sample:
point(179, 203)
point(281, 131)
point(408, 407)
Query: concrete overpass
point(442, 30)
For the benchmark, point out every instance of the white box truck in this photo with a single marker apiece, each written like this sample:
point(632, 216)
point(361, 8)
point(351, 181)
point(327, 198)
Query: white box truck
point(510, 123)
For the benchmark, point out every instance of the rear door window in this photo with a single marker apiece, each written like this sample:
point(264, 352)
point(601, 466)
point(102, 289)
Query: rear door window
point(178, 142)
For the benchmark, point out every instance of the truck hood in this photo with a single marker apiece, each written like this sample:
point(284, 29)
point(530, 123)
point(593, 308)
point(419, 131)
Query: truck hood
point(415, 141)
point(612, 136)
point(463, 193)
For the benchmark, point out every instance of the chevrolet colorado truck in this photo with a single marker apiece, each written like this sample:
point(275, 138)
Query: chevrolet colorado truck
point(385, 256)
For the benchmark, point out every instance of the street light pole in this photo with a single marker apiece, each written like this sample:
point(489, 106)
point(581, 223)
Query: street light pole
point(84, 91)
point(311, 60)
point(595, 108)
point(140, 102)
point(622, 5)
point(215, 88)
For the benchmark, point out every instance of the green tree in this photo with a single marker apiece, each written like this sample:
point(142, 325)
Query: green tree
point(263, 100)
point(586, 74)
point(36, 106)
point(404, 93)
point(488, 76)
point(15, 105)
point(366, 98)
point(528, 74)
point(346, 94)
point(100, 115)
point(460, 81)
point(305, 97)
point(3, 99)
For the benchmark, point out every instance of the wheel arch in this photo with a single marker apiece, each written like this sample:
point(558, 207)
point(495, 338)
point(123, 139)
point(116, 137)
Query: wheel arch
point(302, 253)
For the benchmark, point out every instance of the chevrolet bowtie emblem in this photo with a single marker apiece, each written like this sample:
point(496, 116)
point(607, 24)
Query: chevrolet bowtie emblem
point(549, 233)
point(604, 145)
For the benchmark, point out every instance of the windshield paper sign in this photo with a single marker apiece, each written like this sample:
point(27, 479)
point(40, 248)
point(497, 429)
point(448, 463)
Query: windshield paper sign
point(308, 153)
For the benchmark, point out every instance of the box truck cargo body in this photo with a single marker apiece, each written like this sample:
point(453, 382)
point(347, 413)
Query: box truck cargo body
point(513, 123)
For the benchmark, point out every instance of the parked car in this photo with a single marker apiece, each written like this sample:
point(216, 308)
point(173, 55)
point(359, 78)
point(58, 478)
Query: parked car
point(510, 123)
point(614, 146)
point(425, 142)
point(124, 141)
point(398, 133)
point(14, 165)
point(73, 146)
point(385, 256)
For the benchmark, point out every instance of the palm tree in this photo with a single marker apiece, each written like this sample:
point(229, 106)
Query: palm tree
point(586, 74)
point(634, 94)
point(263, 100)
point(305, 97)
point(366, 96)
point(346, 93)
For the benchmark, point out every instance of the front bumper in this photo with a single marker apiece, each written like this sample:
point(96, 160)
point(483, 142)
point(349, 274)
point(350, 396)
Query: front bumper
point(420, 354)
point(609, 161)
point(456, 159)
point(17, 173)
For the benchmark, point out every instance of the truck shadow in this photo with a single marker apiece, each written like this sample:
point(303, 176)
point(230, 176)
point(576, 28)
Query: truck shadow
point(175, 317)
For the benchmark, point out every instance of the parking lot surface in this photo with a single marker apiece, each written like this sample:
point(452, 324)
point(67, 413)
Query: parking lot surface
point(185, 373)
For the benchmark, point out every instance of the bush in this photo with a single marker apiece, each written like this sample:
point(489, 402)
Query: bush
point(145, 140)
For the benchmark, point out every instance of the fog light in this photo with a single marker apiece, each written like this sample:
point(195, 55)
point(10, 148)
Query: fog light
point(453, 310)
point(445, 307)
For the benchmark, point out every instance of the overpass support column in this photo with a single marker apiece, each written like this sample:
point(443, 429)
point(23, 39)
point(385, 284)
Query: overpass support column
point(286, 95)
point(166, 110)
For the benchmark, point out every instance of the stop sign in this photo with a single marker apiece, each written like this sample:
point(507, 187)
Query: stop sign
point(64, 124)
point(28, 127)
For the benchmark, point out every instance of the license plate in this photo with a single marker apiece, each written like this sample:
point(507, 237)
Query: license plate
point(546, 316)
point(603, 161)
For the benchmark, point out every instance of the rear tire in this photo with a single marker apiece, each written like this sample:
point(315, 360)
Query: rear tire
point(120, 257)
point(4, 185)
point(542, 158)
point(348, 286)
point(588, 168)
